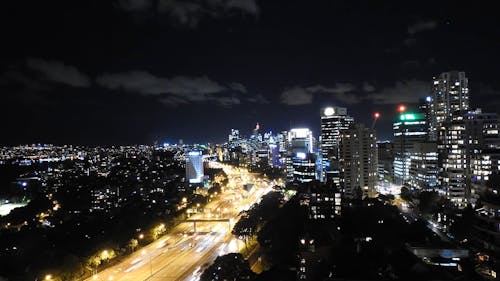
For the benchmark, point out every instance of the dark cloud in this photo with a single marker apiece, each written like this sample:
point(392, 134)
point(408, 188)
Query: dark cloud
point(342, 92)
point(189, 13)
point(406, 91)
point(238, 87)
point(145, 83)
point(339, 88)
point(296, 96)
point(176, 90)
point(339, 92)
point(258, 99)
point(421, 25)
point(135, 5)
point(59, 72)
point(367, 87)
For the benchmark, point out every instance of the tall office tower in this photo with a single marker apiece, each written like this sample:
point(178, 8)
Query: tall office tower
point(385, 161)
point(468, 135)
point(333, 121)
point(301, 162)
point(450, 93)
point(410, 129)
point(423, 174)
point(194, 167)
point(358, 161)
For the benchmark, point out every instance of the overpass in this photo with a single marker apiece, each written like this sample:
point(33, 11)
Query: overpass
point(194, 221)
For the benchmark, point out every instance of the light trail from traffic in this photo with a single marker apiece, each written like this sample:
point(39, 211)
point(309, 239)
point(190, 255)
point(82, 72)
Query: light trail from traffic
point(182, 254)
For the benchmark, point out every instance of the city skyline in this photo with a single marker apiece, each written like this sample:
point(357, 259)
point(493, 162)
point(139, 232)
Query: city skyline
point(139, 73)
point(204, 140)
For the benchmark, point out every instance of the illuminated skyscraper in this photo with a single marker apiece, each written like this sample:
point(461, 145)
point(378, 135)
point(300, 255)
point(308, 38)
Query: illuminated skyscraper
point(301, 162)
point(409, 130)
point(194, 166)
point(333, 120)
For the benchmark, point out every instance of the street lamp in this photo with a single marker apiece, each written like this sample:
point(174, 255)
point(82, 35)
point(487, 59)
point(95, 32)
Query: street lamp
point(105, 254)
point(48, 277)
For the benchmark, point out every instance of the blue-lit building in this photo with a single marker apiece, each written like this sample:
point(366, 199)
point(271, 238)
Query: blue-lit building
point(194, 166)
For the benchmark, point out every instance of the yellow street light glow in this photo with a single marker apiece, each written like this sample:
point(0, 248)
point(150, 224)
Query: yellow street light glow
point(48, 277)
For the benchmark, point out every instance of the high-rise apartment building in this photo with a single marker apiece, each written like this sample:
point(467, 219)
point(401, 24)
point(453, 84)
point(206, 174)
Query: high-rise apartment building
point(358, 161)
point(333, 121)
point(469, 136)
point(450, 93)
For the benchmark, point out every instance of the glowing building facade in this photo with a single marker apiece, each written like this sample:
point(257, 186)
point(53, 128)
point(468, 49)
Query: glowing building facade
point(301, 162)
point(194, 166)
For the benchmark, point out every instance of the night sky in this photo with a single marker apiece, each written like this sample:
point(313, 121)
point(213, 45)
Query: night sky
point(138, 71)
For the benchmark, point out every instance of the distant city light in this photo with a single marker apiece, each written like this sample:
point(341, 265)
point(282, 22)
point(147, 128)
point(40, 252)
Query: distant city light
point(301, 155)
point(376, 115)
point(402, 108)
point(300, 132)
point(428, 99)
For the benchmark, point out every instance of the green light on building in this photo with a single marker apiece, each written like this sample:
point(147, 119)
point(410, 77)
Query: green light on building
point(411, 116)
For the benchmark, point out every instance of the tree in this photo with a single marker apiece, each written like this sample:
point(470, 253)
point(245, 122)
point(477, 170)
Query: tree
point(269, 205)
point(228, 267)
point(245, 228)
point(406, 194)
point(132, 244)
point(428, 202)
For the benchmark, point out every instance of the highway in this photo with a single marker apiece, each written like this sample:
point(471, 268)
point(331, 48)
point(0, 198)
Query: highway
point(182, 254)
